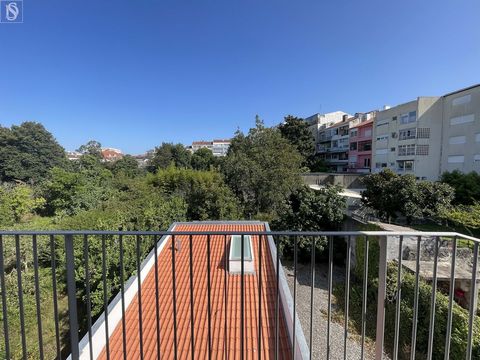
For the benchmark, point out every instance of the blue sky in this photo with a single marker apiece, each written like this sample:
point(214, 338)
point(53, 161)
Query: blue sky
point(133, 74)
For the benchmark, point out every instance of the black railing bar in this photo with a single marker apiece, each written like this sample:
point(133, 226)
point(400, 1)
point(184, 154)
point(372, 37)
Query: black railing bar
point(37, 296)
point(347, 296)
point(122, 292)
point(260, 238)
point(157, 307)
point(209, 300)
point(330, 285)
point(55, 298)
point(71, 296)
point(192, 316)
point(415, 302)
point(174, 300)
point(277, 299)
point(87, 291)
point(312, 284)
point(294, 294)
point(451, 300)
point(273, 233)
point(20, 296)
point(105, 295)
point(364, 297)
point(242, 299)
point(225, 295)
point(473, 302)
point(4, 301)
point(433, 301)
point(398, 300)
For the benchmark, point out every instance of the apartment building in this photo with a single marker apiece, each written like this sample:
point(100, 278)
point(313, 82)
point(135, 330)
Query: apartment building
point(360, 150)
point(407, 138)
point(318, 122)
point(219, 147)
point(461, 130)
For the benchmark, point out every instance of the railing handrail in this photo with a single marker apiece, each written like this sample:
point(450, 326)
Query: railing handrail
point(255, 233)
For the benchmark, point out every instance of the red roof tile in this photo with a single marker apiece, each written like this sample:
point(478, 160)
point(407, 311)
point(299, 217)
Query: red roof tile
point(222, 314)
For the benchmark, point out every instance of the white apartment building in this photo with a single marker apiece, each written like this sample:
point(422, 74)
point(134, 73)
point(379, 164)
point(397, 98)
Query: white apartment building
point(318, 122)
point(219, 147)
point(407, 138)
point(461, 131)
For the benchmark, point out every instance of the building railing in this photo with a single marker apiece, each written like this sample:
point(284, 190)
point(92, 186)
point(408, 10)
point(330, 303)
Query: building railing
point(68, 253)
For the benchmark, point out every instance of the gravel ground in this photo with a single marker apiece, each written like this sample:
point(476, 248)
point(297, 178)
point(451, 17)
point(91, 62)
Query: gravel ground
point(320, 315)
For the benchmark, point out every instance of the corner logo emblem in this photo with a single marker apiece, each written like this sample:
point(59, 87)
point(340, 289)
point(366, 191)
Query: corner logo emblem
point(11, 11)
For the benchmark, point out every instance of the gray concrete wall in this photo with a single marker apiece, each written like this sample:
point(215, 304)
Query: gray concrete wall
point(348, 181)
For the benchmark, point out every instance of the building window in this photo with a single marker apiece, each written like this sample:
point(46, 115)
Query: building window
point(476, 158)
point(422, 149)
point(423, 133)
point(407, 134)
point(456, 159)
point(405, 165)
point(353, 146)
point(477, 137)
point(382, 124)
point(455, 140)
point(462, 119)
point(392, 149)
point(366, 162)
point(408, 118)
point(404, 150)
point(462, 100)
point(394, 118)
point(382, 137)
point(379, 165)
point(353, 132)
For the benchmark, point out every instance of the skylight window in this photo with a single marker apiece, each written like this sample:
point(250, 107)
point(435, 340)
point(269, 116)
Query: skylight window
point(235, 257)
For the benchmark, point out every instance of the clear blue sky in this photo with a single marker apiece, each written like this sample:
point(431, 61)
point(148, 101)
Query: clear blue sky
point(133, 74)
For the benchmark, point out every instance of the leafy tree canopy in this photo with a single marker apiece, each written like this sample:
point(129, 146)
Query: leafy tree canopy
point(17, 201)
point(92, 147)
point(126, 166)
point(467, 186)
point(391, 195)
point(28, 152)
point(203, 159)
point(168, 154)
point(262, 168)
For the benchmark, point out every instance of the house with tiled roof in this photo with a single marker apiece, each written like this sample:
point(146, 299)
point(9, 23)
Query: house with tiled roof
point(201, 296)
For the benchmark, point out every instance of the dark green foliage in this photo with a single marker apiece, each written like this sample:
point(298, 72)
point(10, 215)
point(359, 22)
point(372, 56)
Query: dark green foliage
point(392, 195)
point(467, 186)
point(206, 195)
point(460, 315)
point(168, 154)
point(93, 148)
point(28, 152)
point(125, 167)
point(203, 159)
point(310, 210)
point(296, 131)
point(263, 169)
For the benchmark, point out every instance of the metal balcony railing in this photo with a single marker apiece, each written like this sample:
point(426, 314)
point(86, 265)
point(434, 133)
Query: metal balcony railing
point(72, 262)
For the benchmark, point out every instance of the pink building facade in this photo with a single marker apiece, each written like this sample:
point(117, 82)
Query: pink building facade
point(360, 151)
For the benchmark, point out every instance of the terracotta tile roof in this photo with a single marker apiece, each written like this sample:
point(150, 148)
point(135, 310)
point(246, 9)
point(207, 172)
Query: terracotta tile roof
point(224, 346)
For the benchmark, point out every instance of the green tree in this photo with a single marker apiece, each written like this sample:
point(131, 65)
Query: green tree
point(126, 166)
point(263, 169)
point(17, 201)
point(168, 154)
point(205, 193)
point(92, 147)
point(392, 195)
point(203, 159)
point(310, 210)
point(28, 152)
point(467, 186)
point(296, 131)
